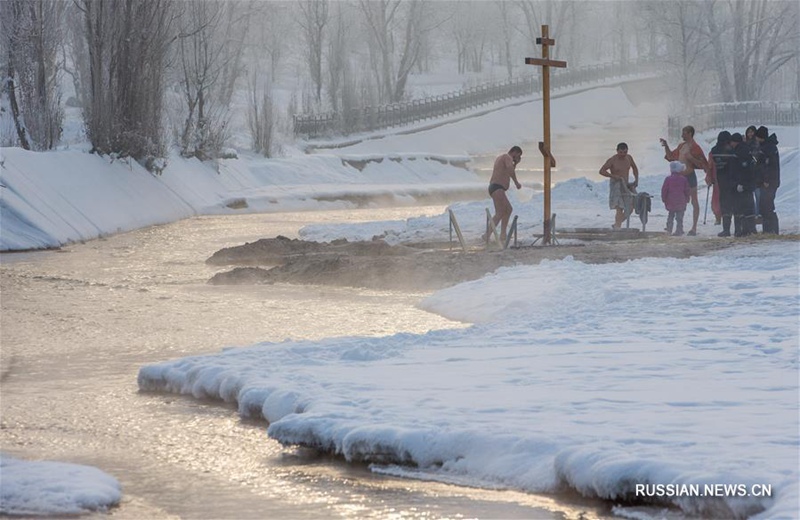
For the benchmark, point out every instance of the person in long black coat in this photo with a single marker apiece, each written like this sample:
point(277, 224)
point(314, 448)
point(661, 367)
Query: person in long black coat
point(743, 173)
point(720, 159)
point(768, 178)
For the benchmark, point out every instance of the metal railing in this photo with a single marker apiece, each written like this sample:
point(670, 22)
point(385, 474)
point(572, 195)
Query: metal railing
point(735, 117)
point(367, 119)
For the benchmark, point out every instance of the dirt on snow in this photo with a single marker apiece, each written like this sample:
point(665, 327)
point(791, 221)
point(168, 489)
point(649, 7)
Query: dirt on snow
point(425, 267)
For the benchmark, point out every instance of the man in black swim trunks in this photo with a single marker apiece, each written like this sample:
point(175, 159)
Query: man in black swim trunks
point(502, 175)
point(689, 153)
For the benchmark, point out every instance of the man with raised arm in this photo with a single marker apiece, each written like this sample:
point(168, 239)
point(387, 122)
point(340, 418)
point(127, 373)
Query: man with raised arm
point(689, 153)
point(503, 173)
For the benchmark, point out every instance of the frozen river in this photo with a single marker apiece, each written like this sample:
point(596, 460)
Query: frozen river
point(78, 323)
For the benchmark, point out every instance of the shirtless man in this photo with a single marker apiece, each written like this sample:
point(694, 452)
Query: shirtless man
point(689, 153)
point(616, 168)
point(502, 175)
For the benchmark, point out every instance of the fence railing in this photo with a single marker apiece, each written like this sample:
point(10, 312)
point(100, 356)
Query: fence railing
point(368, 118)
point(736, 117)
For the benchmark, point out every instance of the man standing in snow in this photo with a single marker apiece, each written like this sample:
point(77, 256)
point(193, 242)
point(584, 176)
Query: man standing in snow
point(616, 168)
point(768, 178)
point(744, 175)
point(503, 173)
point(719, 173)
point(690, 154)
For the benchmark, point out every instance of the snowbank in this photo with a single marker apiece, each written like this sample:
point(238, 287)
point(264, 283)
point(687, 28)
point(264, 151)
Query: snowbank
point(54, 488)
point(50, 199)
point(593, 378)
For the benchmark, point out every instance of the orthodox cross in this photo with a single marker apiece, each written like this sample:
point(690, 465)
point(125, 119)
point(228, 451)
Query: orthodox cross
point(544, 146)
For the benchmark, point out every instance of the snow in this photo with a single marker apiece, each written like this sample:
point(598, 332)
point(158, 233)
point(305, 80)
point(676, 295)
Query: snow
point(592, 378)
point(51, 199)
point(54, 488)
point(513, 124)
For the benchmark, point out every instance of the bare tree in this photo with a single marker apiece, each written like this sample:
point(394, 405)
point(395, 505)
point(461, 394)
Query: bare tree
point(203, 58)
point(764, 39)
point(506, 23)
point(273, 28)
point(553, 13)
point(274, 33)
point(31, 42)
point(396, 28)
point(13, 28)
point(128, 42)
point(337, 57)
point(314, 17)
point(236, 30)
point(682, 27)
point(722, 55)
point(463, 29)
point(260, 117)
point(75, 54)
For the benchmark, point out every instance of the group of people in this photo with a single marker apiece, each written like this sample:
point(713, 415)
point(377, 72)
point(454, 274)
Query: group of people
point(744, 172)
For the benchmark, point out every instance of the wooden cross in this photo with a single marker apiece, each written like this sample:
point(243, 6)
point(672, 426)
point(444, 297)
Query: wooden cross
point(544, 146)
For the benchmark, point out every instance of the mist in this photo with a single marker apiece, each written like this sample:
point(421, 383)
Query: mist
point(207, 76)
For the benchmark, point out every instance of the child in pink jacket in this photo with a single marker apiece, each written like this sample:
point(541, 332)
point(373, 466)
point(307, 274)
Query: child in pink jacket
point(675, 194)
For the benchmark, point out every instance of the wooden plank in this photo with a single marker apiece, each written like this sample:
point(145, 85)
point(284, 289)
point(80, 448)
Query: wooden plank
point(454, 222)
point(546, 153)
point(492, 229)
point(512, 230)
point(545, 62)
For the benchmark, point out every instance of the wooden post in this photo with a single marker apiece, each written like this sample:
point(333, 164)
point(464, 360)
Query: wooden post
point(544, 146)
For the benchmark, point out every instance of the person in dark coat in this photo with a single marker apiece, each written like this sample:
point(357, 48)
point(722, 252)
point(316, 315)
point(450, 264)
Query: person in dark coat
point(719, 160)
point(750, 139)
point(752, 143)
point(743, 173)
point(768, 178)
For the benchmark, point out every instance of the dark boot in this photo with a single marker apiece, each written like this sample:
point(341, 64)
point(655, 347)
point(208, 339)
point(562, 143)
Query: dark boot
point(750, 225)
point(726, 226)
point(770, 223)
point(738, 226)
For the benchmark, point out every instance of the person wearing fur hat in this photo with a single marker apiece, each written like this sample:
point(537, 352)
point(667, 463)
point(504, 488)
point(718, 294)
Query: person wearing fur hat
point(675, 194)
point(743, 174)
point(768, 178)
point(719, 175)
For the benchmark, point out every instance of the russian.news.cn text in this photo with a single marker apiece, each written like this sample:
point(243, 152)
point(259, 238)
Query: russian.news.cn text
point(703, 490)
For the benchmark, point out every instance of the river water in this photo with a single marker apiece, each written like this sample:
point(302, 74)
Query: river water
point(78, 323)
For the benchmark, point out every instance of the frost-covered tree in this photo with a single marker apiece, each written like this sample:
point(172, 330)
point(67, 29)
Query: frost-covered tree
point(128, 42)
point(204, 57)
point(31, 39)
